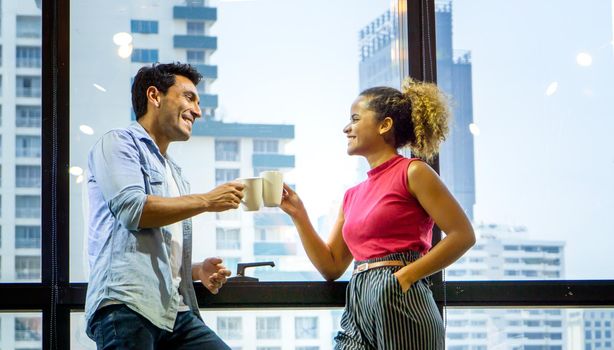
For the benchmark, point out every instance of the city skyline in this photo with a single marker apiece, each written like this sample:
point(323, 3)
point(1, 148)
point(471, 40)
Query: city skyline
point(524, 140)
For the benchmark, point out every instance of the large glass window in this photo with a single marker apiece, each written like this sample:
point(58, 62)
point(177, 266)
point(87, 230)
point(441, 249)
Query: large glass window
point(269, 101)
point(526, 105)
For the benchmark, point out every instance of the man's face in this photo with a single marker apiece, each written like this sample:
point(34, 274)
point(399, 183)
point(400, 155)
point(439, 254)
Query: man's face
point(179, 110)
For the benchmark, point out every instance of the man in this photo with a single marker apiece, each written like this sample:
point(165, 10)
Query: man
point(140, 293)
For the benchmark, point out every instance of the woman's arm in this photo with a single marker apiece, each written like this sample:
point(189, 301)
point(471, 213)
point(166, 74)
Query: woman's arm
point(427, 187)
point(330, 258)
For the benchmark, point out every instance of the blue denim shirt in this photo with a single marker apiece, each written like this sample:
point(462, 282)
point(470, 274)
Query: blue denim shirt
point(128, 264)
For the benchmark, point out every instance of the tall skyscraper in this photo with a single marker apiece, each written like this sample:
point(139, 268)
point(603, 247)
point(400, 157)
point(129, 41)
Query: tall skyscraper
point(20, 171)
point(456, 157)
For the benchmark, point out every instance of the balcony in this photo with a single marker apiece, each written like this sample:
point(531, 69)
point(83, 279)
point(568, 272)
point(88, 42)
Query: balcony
point(195, 13)
point(274, 248)
point(272, 219)
point(208, 101)
point(220, 129)
point(208, 72)
point(272, 161)
point(195, 42)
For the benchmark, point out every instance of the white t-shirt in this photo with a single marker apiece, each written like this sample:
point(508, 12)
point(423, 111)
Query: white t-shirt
point(176, 231)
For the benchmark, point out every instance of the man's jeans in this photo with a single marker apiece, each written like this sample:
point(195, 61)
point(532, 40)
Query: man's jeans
point(118, 327)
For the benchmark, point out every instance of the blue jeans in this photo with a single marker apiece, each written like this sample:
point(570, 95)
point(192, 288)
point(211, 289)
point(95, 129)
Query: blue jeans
point(119, 327)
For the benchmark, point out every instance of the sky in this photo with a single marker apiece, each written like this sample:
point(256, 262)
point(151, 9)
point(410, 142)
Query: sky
point(542, 161)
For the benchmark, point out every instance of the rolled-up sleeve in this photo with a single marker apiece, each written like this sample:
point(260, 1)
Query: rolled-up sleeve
point(115, 165)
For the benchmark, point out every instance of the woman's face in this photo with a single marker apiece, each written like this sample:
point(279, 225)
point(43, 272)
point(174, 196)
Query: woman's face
point(362, 130)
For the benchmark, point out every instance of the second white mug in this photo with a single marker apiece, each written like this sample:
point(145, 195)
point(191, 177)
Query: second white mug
point(272, 187)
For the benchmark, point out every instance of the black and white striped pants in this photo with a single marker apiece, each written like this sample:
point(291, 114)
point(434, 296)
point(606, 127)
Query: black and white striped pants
point(378, 315)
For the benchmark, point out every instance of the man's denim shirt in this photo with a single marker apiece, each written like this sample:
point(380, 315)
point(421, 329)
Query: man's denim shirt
point(127, 264)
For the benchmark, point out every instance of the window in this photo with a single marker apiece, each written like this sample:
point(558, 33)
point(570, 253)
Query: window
point(268, 328)
point(195, 28)
point(28, 56)
point(27, 206)
point(28, 146)
point(227, 150)
point(28, 27)
point(28, 328)
point(145, 55)
point(268, 235)
point(228, 238)
point(28, 176)
point(195, 56)
point(144, 27)
point(28, 267)
point(27, 237)
point(229, 328)
point(28, 86)
point(225, 175)
point(266, 146)
point(28, 116)
point(306, 327)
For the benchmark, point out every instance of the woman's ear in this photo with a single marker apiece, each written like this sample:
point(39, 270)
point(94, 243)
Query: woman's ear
point(385, 125)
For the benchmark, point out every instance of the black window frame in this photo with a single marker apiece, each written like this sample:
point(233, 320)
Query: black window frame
point(56, 297)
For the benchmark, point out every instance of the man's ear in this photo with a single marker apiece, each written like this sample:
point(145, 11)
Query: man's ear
point(153, 96)
point(385, 125)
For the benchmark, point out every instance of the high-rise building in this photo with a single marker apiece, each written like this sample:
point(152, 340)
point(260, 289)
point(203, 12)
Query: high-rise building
point(379, 66)
point(507, 253)
point(456, 156)
point(590, 329)
point(20, 171)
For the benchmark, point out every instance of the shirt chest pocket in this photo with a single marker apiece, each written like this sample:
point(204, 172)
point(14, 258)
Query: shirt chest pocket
point(154, 181)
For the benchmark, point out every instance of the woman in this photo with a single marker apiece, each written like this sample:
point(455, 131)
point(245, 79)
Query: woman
point(385, 223)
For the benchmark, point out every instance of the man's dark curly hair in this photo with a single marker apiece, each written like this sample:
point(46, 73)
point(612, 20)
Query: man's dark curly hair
point(162, 76)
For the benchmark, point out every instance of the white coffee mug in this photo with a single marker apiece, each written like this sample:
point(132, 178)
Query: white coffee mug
point(272, 187)
point(252, 193)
